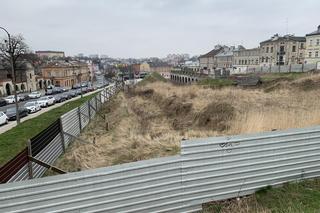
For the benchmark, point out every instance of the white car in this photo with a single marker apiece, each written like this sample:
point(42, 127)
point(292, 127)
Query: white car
point(46, 101)
point(3, 118)
point(32, 106)
point(10, 99)
point(34, 95)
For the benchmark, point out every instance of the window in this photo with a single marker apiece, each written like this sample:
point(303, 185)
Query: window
point(267, 59)
point(293, 49)
point(317, 54)
point(301, 46)
point(310, 54)
point(267, 50)
point(262, 59)
point(310, 43)
point(318, 42)
point(271, 49)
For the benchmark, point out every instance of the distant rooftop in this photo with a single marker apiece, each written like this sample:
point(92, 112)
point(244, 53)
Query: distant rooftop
point(213, 52)
point(317, 32)
point(277, 37)
point(48, 51)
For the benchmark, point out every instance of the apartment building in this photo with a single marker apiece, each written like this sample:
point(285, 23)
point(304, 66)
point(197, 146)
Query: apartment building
point(244, 59)
point(312, 53)
point(282, 50)
point(66, 74)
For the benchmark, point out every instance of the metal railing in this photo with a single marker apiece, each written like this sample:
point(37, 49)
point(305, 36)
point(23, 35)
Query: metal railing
point(52, 142)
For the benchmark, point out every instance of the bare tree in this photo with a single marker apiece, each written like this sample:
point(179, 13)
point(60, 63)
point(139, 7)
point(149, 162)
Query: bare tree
point(11, 50)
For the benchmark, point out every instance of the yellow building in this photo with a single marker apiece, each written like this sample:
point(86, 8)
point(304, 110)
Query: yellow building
point(145, 67)
point(66, 74)
point(312, 54)
point(50, 54)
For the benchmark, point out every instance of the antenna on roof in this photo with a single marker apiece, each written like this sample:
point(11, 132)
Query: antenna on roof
point(287, 26)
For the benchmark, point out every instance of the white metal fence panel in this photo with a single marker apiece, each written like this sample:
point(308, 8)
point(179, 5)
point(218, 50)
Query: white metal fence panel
point(92, 108)
point(70, 124)
point(145, 186)
point(21, 175)
point(227, 167)
point(48, 155)
point(84, 114)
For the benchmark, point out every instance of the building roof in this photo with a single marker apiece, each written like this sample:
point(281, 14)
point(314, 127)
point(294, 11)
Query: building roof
point(212, 53)
point(159, 64)
point(48, 51)
point(228, 51)
point(63, 64)
point(276, 37)
point(317, 32)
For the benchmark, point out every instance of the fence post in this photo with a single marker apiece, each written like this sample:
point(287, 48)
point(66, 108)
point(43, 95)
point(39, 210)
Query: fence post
point(79, 115)
point(89, 110)
point(30, 170)
point(62, 136)
point(96, 100)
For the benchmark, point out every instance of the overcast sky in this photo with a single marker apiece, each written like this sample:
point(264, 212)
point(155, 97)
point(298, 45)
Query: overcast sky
point(145, 28)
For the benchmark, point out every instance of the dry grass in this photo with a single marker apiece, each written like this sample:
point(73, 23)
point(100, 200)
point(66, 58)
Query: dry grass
point(151, 121)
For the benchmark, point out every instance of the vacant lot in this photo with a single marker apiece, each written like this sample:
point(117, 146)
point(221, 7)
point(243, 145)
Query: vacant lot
point(151, 120)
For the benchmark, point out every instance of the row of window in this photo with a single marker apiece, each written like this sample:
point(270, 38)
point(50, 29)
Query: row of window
point(294, 48)
point(316, 55)
point(317, 42)
point(249, 62)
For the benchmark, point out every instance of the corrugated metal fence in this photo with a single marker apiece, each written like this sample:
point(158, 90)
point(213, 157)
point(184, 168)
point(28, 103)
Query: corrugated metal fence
point(207, 169)
point(52, 142)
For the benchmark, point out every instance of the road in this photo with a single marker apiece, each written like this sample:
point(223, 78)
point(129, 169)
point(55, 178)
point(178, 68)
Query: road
point(12, 124)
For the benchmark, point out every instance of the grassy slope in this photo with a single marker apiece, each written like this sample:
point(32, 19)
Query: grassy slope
point(288, 76)
point(14, 140)
point(153, 77)
point(216, 83)
point(291, 198)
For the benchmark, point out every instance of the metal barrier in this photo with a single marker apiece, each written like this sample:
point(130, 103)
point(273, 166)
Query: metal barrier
point(48, 145)
point(208, 169)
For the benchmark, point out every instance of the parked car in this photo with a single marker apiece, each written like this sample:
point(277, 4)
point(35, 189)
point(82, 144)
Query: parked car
point(34, 95)
point(12, 113)
point(64, 89)
point(84, 90)
point(78, 91)
point(76, 86)
point(72, 93)
point(3, 118)
point(66, 95)
point(46, 101)
point(10, 99)
point(60, 98)
point(90, 88)
point(23, 97)
point(32, 106)
point(3, 102)
point(57, 90)
point(49, 92)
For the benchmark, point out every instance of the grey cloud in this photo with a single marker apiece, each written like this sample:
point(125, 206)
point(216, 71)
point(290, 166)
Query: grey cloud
point(137, 28)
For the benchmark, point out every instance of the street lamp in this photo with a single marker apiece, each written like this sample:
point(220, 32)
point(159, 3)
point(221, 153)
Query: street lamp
point(13, 74)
